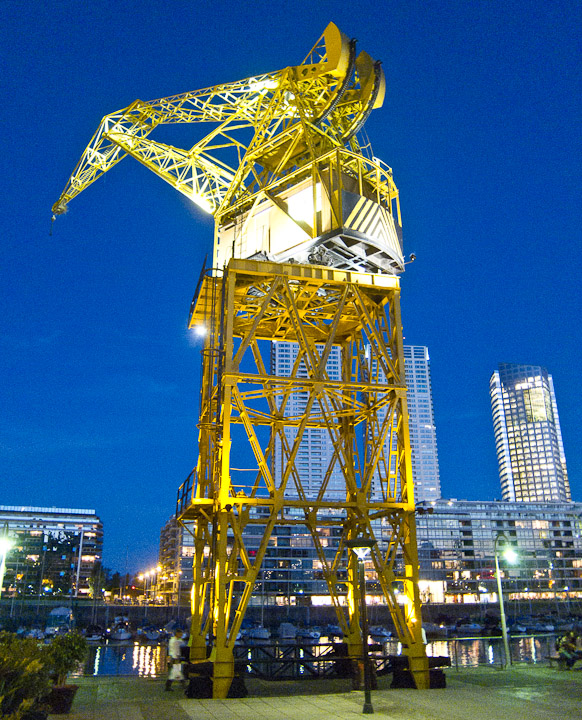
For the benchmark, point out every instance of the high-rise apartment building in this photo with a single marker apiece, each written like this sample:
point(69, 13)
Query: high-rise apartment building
point(456, 550)
point(292, 568)
point(315, 454)
point(316, 450)
point(54, 552)
point(174, 580)
point(528, 439)
point(423, 443)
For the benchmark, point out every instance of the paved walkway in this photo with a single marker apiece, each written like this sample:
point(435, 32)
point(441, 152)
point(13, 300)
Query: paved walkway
point(518, 693)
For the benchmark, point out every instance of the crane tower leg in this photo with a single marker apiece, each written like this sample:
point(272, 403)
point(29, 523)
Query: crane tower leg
point(363, 411)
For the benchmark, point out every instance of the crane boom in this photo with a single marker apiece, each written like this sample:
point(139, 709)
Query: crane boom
point(290, 113)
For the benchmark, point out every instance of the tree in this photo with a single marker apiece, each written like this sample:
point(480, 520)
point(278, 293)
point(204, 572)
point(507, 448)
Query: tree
point(98, 580)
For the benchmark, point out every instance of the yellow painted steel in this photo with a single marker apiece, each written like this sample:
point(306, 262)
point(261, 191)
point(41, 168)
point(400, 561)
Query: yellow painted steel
point(247, 307)
point(317, 105)
point(276, 139)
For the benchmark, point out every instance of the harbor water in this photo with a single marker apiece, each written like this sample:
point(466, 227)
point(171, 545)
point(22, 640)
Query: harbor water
point(150, 660)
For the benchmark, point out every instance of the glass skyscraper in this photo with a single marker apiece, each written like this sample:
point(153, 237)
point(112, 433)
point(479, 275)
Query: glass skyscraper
point(423, 444)
point(316, 450)
point(315, 453)
point(528, 439)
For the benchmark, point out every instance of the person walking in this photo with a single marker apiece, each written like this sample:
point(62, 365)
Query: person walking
point(175, 660)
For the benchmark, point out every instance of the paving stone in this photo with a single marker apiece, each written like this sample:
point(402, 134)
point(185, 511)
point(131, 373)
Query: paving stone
point(521, 692)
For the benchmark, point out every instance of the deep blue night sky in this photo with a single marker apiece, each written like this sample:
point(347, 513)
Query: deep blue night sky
point(481, 125)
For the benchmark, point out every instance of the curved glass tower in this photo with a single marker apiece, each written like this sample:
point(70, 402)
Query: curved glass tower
point(528, 439)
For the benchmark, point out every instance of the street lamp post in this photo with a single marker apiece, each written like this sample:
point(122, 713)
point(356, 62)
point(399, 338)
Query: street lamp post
point(362, 548)
point(143, 577)
point(145, 597)
point(511, 556)
point(79, 559)
point(179, 591)
point(156, 577)
point(149, 575)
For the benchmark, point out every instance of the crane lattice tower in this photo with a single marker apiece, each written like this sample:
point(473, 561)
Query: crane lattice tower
point(308, 250)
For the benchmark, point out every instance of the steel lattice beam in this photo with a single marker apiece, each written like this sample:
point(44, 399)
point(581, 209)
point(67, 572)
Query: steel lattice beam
point(364, 414)
point(291, 113)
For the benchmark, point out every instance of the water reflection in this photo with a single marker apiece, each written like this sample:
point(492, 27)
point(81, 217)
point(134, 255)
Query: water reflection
point(146, 659)
point(126, 659)
point(150, 660)
point(468, 652)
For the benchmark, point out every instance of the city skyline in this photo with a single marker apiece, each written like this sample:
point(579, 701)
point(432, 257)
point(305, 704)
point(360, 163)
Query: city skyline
point(100, 376)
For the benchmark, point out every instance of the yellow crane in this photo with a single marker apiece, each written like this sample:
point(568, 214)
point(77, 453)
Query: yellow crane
point(307, 250)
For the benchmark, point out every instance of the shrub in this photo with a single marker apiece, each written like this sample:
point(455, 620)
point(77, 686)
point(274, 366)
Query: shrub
point(64, 654)
point(24, 675)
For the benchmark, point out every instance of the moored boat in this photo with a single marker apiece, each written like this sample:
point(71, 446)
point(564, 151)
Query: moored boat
point(94, 633)
point(287, 631)
point(433, 630)
point(467, 628)
point(60, 621)
point(379, 632)
point(307, 634)
point(258, 632)
point(149, 633)
point(333, 631)
point(120, 630)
